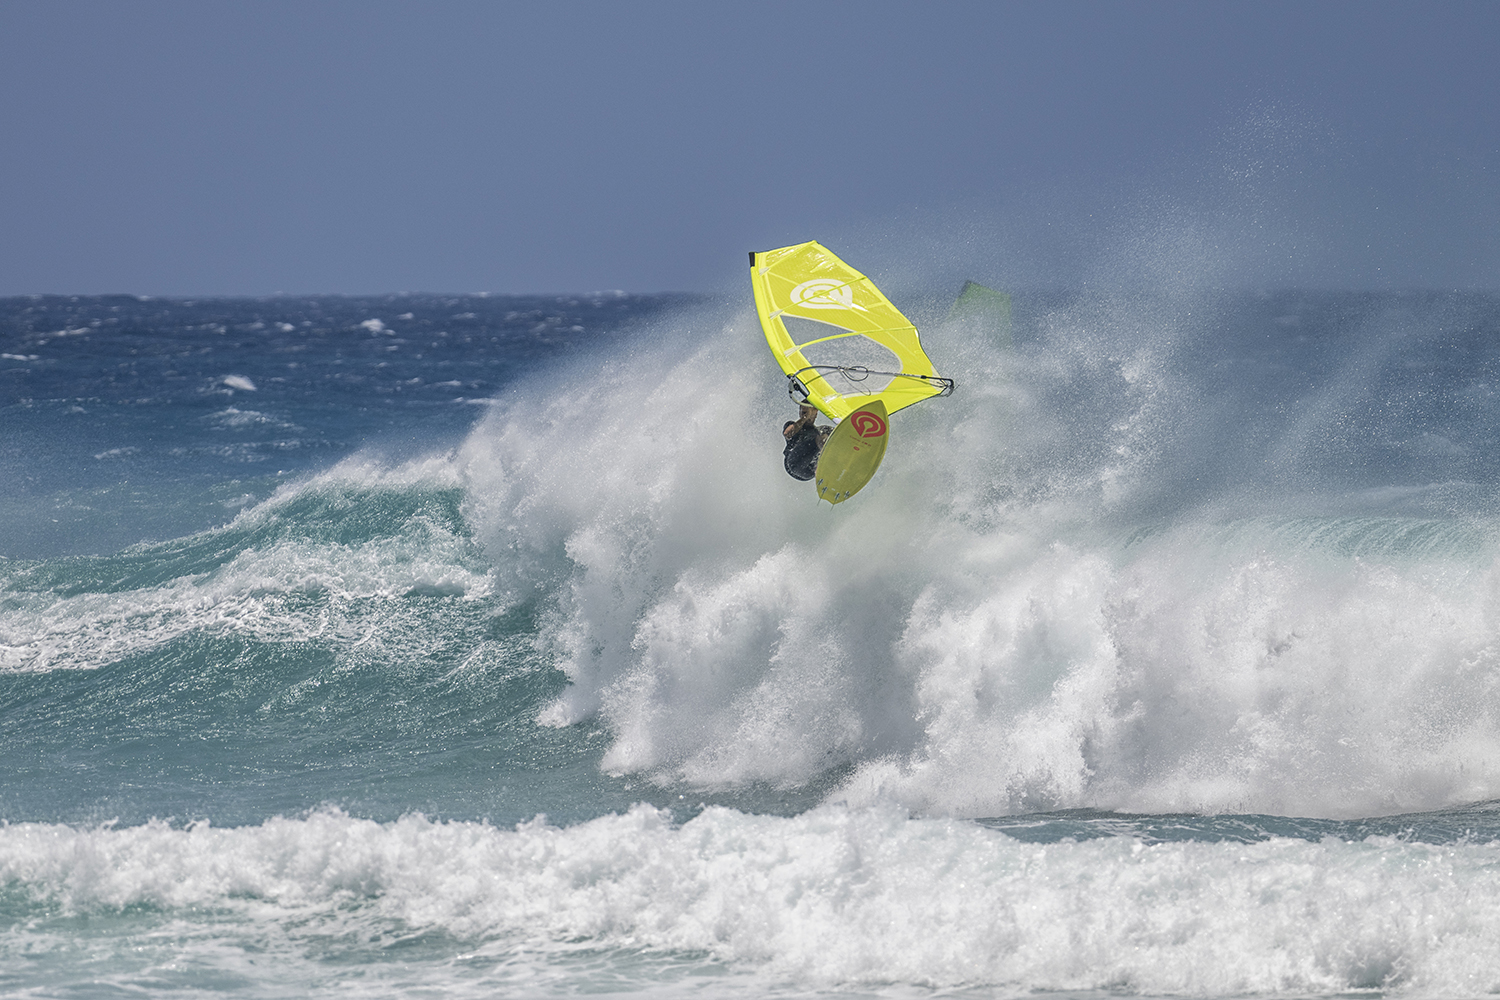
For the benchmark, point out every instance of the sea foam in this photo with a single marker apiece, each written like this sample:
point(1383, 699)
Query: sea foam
point(834, 896)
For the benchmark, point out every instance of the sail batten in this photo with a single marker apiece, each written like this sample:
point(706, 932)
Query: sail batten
point(808, 282)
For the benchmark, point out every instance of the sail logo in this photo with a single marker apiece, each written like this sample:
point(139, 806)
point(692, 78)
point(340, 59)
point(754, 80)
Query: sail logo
point(825, 293)
point(867, 424)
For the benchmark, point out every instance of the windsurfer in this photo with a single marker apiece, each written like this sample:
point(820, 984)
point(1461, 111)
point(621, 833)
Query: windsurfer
point(804, 442)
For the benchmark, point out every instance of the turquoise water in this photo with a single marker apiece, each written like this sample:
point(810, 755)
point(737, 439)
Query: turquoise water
point(413, 645)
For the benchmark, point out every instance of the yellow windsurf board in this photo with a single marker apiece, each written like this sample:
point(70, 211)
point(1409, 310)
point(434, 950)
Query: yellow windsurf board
point(853, 452)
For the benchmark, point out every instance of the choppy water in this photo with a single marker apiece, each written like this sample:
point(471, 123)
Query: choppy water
point(480, 646)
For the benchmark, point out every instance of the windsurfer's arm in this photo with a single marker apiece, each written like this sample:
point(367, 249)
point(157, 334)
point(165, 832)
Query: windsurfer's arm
point(805, 417)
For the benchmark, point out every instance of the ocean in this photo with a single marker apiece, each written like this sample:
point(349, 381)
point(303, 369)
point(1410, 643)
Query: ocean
point(479, 646)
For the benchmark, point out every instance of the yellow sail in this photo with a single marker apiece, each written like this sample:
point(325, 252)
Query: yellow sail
point(838, 339)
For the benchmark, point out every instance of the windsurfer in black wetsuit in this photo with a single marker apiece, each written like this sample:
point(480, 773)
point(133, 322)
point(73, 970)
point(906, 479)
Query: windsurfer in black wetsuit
point(804, 443)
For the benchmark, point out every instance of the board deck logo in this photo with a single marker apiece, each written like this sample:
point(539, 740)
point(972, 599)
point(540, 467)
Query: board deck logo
point(824, 293)
point(867, 424)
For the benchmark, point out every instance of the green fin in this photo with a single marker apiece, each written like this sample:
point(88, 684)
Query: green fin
point(985, 308)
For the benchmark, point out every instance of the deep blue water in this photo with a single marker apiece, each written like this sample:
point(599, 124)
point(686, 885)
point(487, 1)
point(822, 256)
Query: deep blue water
point(127, 397)
point(480, 646)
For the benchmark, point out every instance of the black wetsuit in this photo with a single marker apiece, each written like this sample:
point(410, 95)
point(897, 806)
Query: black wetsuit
point(801, 452)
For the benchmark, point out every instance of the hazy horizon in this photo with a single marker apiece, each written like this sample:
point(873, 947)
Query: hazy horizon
point(179, 149)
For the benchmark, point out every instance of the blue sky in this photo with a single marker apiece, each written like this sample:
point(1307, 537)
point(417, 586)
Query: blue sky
point(200, 148)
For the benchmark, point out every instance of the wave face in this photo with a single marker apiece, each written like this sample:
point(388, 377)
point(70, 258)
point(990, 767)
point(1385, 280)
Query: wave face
point(483, 646)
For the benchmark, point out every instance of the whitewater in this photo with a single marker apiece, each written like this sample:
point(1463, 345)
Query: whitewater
point(480, 646)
